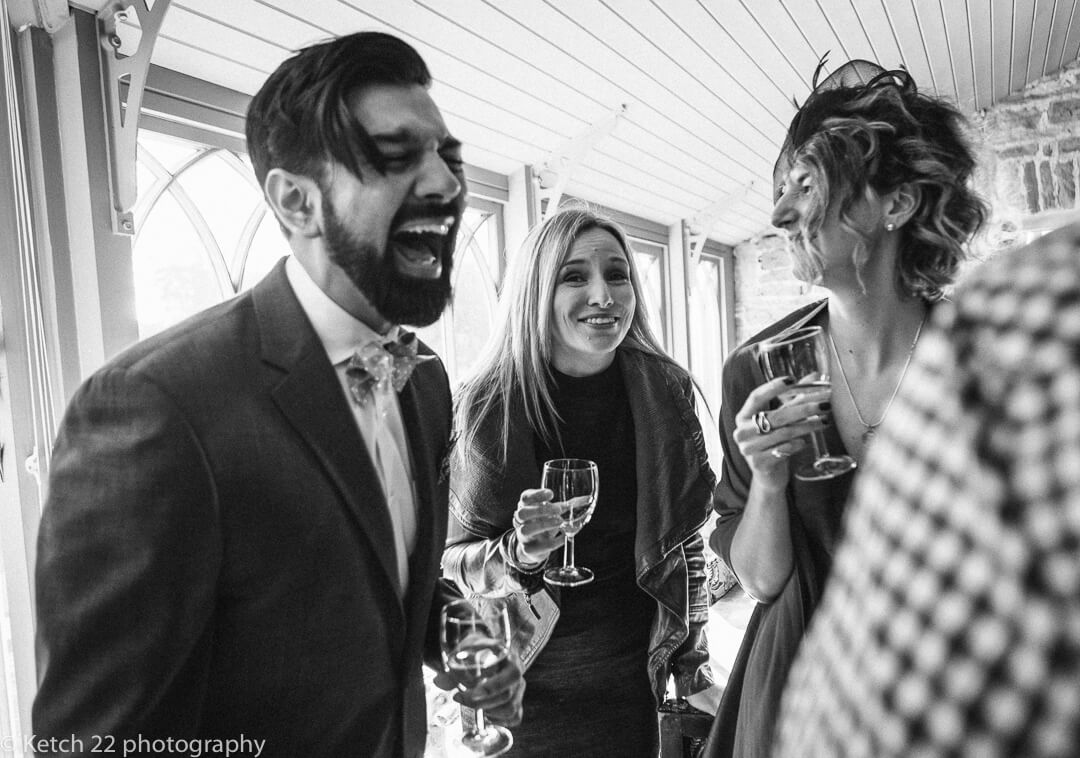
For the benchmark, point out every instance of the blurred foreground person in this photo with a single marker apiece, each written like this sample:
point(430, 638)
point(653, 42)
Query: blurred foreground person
point(951, 623)
point(245, 513)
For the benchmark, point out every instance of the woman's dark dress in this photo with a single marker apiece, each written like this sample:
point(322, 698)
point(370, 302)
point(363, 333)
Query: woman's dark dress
point(747, 714)
point(577, 702)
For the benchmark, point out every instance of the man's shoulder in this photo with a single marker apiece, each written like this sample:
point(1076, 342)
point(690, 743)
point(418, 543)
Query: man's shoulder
point(207, 336)
point(226, 331)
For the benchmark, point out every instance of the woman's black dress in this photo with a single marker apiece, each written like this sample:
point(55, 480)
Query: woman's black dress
point(588, 693)
point(744, 723)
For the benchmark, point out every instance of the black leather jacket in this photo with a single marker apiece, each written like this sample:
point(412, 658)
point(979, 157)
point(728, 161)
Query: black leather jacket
point(674, 484)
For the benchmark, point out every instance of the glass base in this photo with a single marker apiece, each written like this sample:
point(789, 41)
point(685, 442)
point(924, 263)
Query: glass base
point(568, 576)
point(827, 467)
point(494, 740)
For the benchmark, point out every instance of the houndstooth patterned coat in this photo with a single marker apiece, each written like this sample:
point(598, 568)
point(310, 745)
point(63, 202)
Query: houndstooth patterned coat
point(951, 623)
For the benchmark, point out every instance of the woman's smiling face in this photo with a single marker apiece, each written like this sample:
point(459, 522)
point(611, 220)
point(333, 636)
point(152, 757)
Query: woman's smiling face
point(822, 246)
point(593, 304)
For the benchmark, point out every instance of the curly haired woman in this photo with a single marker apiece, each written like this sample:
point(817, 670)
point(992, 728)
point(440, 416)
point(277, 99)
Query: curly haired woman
point(872, 187)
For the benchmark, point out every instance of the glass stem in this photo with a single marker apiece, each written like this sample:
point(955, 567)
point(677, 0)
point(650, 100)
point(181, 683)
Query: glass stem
point(481, 725)
point(818, 440)
point(568, 552)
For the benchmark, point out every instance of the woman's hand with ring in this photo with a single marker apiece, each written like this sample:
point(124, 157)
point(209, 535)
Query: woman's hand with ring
point(768, 436)
point(761, 421)
point(537, 525)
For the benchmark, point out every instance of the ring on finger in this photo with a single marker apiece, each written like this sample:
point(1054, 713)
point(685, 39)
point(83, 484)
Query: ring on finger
point(761, 421)
point(778, 453)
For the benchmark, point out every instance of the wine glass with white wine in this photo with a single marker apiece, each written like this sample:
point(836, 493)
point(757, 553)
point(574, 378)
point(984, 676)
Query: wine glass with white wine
point(575, 483)
point(475, 642)
point(801, 354)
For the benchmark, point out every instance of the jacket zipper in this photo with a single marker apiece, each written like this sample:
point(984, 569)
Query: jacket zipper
point(528, 602)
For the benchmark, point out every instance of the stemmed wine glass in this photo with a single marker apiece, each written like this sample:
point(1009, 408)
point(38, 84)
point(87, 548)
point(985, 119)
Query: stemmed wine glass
point(575, 483)
point(475, 642)
point(802, 355)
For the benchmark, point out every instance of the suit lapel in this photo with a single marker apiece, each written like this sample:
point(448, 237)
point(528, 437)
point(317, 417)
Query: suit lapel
point(310, 397)
point(425, 412)
point(423, 463)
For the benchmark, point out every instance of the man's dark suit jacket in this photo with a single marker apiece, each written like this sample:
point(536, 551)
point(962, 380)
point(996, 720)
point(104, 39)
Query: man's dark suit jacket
point(215, 556)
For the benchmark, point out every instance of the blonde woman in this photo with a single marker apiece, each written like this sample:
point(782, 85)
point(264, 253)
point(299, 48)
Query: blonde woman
point(573, 370)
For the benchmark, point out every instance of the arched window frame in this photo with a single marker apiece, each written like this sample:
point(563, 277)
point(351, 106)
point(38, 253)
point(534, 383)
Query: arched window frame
point(169, 111)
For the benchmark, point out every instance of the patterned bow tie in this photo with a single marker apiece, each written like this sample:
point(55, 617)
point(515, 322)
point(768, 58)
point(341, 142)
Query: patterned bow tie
point(380, 366)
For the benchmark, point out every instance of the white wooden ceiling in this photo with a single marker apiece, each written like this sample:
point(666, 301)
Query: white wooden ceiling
point(708, 85)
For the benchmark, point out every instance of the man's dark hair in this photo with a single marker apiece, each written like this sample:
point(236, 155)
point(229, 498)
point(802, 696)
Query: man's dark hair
point(300, 117)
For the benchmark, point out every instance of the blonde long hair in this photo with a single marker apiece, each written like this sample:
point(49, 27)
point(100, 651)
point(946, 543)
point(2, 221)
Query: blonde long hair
point(517, 355)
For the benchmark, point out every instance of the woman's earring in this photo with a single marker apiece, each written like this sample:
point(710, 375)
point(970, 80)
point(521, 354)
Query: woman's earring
point(890, 227)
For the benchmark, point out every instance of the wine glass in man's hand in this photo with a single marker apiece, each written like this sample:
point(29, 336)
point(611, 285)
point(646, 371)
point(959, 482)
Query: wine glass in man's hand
point(475, 643)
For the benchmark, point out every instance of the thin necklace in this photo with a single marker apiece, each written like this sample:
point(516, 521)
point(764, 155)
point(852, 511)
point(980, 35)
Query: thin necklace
point(871, 429)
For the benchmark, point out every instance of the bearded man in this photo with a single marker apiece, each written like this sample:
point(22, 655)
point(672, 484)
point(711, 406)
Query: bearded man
point(247, 512)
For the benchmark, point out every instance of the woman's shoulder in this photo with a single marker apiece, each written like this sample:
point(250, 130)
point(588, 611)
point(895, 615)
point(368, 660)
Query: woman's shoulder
point(740, 368)
point(655, 363)
point(801, 316)
point(478, 414)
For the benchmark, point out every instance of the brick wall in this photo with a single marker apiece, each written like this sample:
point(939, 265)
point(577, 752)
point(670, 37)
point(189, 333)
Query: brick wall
point(1029, 151)
point(765, 288)
point(1030, 157)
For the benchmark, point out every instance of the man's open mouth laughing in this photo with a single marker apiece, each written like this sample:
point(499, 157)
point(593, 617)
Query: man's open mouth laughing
point(419, 244)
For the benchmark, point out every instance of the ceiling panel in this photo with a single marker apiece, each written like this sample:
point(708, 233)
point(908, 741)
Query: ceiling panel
point(1001, 32)
point(717, 46)
point(1059, 30)
point(953, 19)
point(765, 36)
point(1072, 39)
point(221, 40)
point(1023, 18)
point(815, 28)
point(982, 59)
point(708, 85)
point(909, 38)
point(700, 75)
point(257, 20)
point(1038, 49)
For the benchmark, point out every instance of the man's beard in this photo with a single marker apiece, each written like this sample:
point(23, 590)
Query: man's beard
point(399, 299)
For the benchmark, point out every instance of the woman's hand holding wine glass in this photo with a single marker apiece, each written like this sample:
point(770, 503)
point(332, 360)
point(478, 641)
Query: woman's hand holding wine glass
point(575, 484)
point(548, 518)
point(768, 455)
point(537, 527)
point(798, 358)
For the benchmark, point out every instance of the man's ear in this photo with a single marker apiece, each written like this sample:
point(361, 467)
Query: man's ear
point(296, 201)
point(901, 204)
